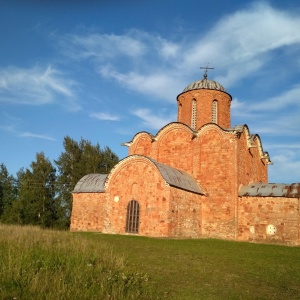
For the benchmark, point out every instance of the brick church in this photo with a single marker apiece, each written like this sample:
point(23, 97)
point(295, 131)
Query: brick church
point(198, 177)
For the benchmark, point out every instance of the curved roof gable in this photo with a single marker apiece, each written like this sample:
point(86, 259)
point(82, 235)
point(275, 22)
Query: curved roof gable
point(177, 124)
point(171, 176)
point(156, 137)
point(178, 178)
point(91, 183)
point(136, 136)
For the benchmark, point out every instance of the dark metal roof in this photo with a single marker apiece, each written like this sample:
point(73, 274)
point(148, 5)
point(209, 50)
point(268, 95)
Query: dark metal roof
point(270, 190)
point(94, 183)
point(91, 183)
point(204, 84)
point(177, 178)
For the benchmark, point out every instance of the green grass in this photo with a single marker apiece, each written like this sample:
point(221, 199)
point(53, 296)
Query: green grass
point(41, 264)
point(44, 264)
point(212, 269)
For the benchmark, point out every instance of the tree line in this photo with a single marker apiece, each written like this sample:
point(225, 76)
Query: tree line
point(41, 194)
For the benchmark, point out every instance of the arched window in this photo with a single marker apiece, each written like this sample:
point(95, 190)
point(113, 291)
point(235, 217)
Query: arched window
point(214, 109)
point(194, 114)
point(133, 217)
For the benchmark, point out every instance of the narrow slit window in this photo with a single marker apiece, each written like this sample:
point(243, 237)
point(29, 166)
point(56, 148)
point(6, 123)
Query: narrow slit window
point(214, 117)
point(133, 217)
point(194, 114)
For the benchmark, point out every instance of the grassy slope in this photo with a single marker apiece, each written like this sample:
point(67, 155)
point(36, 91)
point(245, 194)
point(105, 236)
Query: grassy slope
point(212, 269)
point(41, 264)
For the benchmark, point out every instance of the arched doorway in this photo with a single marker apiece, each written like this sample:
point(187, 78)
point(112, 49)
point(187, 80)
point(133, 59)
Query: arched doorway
point(133, 217)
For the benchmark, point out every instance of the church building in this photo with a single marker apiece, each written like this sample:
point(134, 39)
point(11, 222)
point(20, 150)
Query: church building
point(199, 177)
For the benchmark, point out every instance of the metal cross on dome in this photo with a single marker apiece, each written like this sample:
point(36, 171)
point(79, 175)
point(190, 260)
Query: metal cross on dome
point(205, 72)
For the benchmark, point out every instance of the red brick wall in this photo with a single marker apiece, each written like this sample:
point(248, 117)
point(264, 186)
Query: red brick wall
point(175, 147)
point(256, 213)
point(217, 174)
point(204, 99)
point(251, 168)
point(140, 180)
point(185, 214)
point(88, 212)
point(142, 144)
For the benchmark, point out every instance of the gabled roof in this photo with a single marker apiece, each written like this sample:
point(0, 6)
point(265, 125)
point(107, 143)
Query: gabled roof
point(178, 178)
point(91, 183)
point(270, 190)
point(95, 183)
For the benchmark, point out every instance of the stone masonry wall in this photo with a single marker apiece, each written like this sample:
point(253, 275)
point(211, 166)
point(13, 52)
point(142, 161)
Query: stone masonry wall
point(87, 212)
point(175, 147)
point(204, 99)
point(138, 180)
point(217, 174)
point(269, 219)
point(142, 145)
point(251, 168)
point(185, 214)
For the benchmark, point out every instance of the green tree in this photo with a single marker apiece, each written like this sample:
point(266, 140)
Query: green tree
point(36, 202)
point(77, 160)
point(8, 193)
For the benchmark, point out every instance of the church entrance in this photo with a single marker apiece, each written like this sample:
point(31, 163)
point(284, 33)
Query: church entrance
point(133, 217)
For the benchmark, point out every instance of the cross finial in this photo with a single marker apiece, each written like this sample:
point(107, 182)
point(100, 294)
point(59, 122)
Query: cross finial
point(205, 72)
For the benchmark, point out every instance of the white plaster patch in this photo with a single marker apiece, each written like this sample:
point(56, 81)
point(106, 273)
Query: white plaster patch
point(271, 229)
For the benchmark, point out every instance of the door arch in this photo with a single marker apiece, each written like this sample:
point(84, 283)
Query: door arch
point(132, 217)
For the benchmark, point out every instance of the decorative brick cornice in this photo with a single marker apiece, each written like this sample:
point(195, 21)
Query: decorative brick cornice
point(137, 136)
point(253, 140)
point(160, 133)
point(172, 126)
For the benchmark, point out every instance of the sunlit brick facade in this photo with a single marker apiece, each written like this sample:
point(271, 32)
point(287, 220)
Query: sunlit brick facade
point(197, 177)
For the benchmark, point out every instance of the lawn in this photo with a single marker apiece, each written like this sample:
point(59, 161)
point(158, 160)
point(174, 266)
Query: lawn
point(211, 269)
point(44, 264)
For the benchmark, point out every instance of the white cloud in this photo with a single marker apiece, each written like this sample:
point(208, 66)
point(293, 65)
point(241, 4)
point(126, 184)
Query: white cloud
point(37, 136)
point(239, 45)
point(285, 99)
point(36, 86)
point(239, 108)
point(8, 128)
point(25, 134)
point(150, 119)
point(286, 162)
point(103, 46)
point(104, 116)
point(159, 85)
point(244, 41)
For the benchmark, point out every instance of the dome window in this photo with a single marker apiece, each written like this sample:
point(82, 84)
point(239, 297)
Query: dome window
point(214, 108)
point(194, 114)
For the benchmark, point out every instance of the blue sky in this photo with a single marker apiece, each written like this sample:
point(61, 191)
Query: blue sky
point(105, 70)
